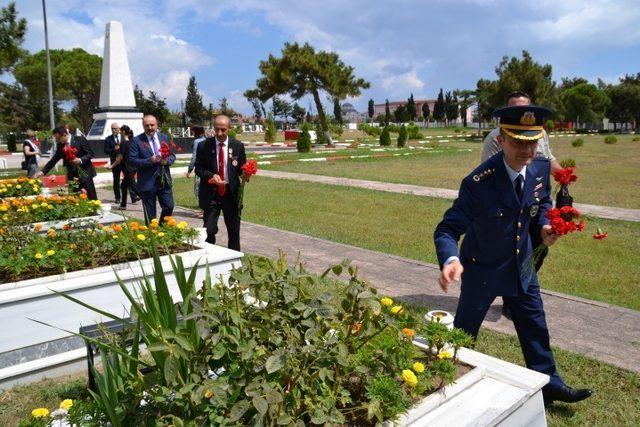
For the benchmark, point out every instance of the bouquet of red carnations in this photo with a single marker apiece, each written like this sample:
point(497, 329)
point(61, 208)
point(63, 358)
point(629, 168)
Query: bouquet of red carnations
point(70, 154)
point(165, 153)
point(248, 169)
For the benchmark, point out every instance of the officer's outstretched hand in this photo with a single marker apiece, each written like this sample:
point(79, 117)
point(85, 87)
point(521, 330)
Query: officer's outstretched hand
point(450, 272)
point(548, 236)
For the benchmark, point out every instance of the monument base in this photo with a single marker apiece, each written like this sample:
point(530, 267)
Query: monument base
point(101, 127)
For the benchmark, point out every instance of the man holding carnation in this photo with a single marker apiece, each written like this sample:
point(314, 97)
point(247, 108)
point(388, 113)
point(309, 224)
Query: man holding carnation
point(501, 204)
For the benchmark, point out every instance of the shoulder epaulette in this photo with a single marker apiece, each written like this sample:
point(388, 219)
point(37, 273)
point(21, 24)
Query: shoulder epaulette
point(483, 174)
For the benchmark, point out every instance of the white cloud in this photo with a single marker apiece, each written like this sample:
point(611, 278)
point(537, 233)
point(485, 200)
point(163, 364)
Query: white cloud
point(171, 85)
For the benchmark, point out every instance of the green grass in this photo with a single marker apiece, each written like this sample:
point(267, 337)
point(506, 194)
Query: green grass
point(403, 225)
point(607, 173)
point(616, 391)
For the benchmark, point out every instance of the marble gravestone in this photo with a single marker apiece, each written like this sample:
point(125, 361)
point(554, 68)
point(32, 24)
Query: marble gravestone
point(117, 103)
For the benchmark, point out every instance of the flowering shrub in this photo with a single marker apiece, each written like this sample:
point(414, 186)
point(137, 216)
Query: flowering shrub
point(17, 187)
point(268, 348)
point(25, 254)
point(20, 211)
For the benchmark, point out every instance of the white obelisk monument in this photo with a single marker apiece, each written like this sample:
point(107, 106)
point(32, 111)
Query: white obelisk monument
point(117, 103)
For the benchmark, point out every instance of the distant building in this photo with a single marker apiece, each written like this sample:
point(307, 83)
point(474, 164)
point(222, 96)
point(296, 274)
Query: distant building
point(350, 114)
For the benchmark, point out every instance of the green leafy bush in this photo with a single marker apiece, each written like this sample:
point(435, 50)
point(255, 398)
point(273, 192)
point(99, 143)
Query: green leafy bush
point(321, 138)
point(402, 136)
point(577, 142)
point(610, 139)
point(413, 132)
point(267, 349)
point(550, 126)
point(636, 138)
point(568, 163)
point(270, 130)
point(370, 130)
point(385, 138)
point(303, 143)
point(12, 142)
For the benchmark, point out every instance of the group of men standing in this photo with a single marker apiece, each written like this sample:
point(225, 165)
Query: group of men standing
point(218, 165)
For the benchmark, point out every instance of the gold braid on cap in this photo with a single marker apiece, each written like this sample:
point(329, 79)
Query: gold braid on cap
point(506, 129)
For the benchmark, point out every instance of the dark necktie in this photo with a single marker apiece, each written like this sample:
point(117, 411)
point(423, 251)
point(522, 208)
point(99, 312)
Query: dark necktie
point(221, 188)
point(517, 183)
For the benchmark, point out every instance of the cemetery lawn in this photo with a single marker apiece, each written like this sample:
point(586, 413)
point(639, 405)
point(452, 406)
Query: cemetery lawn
point(607, 174)
point(400, 224)
point(616, 390)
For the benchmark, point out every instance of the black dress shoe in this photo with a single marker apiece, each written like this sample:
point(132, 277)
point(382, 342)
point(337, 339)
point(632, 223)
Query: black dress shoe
point(565, 394)
point(117, 200)
point(124, 208)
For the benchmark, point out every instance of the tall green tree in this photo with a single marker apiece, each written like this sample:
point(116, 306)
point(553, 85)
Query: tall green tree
point(371, 109)
point(12, 31)
point(193, 107)
point(426, 114)
point(439, 108)
point(451, 107)
point(301, 70)
point(153, 104)
point(467, 98)
point(298, 113)
point(76, 75)
point(584, 103)
point(411, 108)
point(400, 114)
point(387, 111)
point(526, 75)
point(485, 90)
point(337, 111)
point(625, 102)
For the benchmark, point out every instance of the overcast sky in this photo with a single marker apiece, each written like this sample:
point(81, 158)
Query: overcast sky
point(401, 47)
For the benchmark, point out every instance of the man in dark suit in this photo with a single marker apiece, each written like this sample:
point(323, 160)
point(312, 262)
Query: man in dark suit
point(80, 169)
point(112, 148)
point(501, 204)
point(154, 175)
point(218, 164)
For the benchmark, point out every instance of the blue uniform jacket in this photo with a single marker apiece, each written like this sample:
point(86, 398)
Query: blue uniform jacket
point(140, 153)
point(496, 251)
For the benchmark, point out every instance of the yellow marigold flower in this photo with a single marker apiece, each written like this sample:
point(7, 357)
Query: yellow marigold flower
point(418, 367)
point(143, 228)
point(4, 208)
point(141, 237)
point(396, 309)
point(49, 207)
point(51, 252)
point(40, 413)
point(409, 377)
point(154, 224)
point(51, 232)
point(155, 220)
point(208, 394)
point(18, 186)
point(66, 404)
point(386, 301)
point(44, 204)
point(115, 236)
point(73, 246)
point(161, 234)
point(408, 332)
point(38, 255)
point(182, 225)
point(445, 355)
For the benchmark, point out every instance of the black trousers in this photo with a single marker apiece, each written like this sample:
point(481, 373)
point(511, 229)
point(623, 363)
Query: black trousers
point(116, 181)
point(228, 205)
point(164, 195)
point(128, 184)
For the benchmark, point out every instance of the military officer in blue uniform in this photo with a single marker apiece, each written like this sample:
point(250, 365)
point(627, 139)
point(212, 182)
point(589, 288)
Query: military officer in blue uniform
point(500, 205)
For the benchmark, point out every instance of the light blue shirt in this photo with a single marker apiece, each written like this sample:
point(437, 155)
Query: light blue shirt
point(194, 152)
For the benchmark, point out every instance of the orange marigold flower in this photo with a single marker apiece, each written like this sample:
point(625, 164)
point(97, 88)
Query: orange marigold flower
point(83, 196)
point(37, 227)
point(408, 332)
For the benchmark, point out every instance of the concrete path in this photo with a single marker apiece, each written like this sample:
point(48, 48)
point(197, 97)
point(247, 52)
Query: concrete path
point(597, 330)
point(417, 190)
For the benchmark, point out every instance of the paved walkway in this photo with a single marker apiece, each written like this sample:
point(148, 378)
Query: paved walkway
point(597, 330)
point(417, 190)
